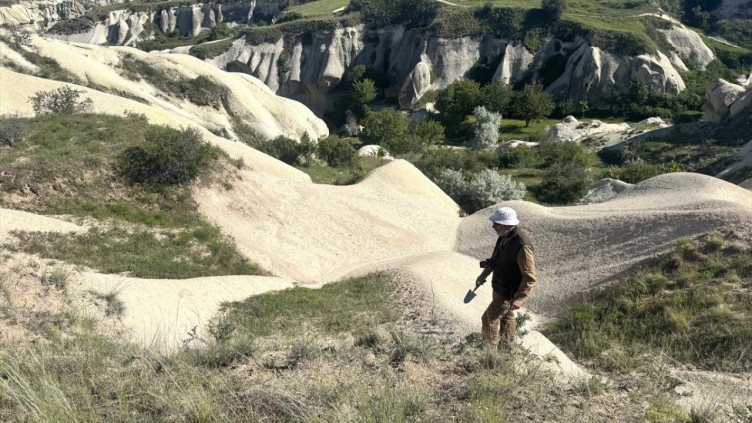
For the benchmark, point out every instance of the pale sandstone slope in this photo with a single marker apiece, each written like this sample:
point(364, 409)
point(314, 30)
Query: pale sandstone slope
point(582, 247)
point(317, 233)
point(249, 100)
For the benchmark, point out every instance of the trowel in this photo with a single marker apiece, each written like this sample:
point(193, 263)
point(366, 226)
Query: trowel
point(470, 294)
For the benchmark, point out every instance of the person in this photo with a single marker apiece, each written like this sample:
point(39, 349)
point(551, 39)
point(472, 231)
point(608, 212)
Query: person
point(513, 268)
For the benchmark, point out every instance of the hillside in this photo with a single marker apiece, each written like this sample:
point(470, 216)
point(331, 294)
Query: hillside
point(143, 289)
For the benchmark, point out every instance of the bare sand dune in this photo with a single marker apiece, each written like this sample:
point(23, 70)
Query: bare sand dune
point(582, 247)
point(14, 220)
point(163, 312)
point(317, 233)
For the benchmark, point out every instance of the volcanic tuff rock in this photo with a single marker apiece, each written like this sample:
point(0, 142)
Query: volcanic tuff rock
point(309, 65)
point(40, 11)
point(721, 98)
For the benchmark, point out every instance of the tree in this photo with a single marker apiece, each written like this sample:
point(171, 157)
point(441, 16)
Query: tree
point(532, 103)
point(364, 92)
point(497, 97)
point(387, 128)
point(584, 107)
point(485, 129)
point(554, 8)
point(307, 149)
point(483, 189)
point(456, 101)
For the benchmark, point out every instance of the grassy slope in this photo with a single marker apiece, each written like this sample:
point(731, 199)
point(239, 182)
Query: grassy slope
point(693, 305)
point(348, 352)
point(64, 166)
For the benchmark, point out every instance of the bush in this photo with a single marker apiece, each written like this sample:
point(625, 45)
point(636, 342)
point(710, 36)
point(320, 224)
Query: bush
point(337, 152)
point(282, 148)
point(167, 157)
point(64, 101)
point(564, 183)
point(428, 131)
point(485, 129)
point(433, 162)
point(520, 157)
point(488, 187)
point(13, 128)
point(484, 189)
point(557, 152)
point(638, 172)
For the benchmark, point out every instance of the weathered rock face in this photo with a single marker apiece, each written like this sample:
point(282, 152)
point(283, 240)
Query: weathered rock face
point(317, 62)
point(720, 96)
point(689, 45)
point(592, 74)
point(185, 20)
point(40, 11)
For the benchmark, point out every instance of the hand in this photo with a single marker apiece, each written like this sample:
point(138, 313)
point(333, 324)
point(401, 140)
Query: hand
point(516, 304)
point(480, 281)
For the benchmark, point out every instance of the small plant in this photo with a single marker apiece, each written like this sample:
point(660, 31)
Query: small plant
point(64, 100)
point(19, 36)
point(57, 278)
point(114, 305)
point(307, 150)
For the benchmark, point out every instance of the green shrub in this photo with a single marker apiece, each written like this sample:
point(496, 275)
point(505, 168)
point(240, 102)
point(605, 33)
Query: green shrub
point(520, 157)
point(13, 128)
point(433, 161)
point(167, 157)
point(220, 31)
point(638, 172)
point(337, 152)
point(388, 128)
point(282, 148)
point(556, 152)
point(64, 101)
point(564, 183)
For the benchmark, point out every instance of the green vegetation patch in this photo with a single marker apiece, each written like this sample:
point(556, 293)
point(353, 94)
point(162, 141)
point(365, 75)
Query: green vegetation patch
point(322, 174)
point(202, 90)
point(693, 305)
point(337, 307)
point(143, 252)
point(65, 165)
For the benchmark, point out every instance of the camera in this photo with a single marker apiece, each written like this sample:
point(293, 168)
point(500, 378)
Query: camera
point(487, 264)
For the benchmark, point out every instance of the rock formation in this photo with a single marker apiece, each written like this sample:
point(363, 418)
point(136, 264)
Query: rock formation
point(724, 99)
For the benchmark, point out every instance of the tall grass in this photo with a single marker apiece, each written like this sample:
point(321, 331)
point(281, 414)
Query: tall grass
point(692, 305)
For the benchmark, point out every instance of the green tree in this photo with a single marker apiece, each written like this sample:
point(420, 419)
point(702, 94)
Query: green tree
point(532, 103)
point(564, 183)
point(554, 8)
point(337, 152)
point(428, 131)
point(457, 101)
point(497, 97)
point(387, 128)
point(307, 148)
point(364, 92)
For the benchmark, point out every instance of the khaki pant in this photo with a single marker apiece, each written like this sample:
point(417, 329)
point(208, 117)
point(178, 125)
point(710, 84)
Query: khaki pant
point(499, 321)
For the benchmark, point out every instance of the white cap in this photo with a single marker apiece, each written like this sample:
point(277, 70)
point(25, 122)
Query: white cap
point(504, 216)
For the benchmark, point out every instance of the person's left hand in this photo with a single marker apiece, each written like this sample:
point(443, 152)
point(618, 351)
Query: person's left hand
point(517, 304)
